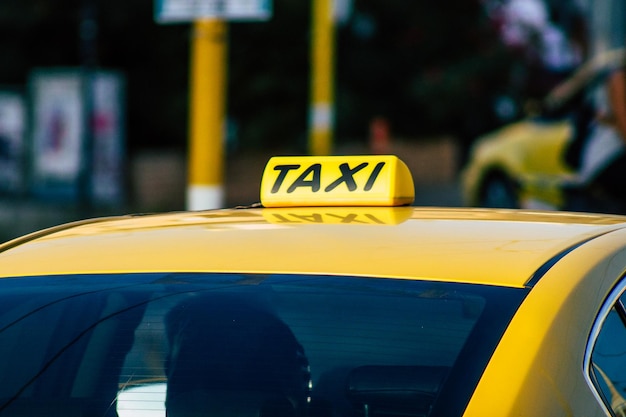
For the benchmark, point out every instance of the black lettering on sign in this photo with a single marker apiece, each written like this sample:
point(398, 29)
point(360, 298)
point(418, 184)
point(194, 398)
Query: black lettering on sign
point(372, 179)
point(311, 177)
point(315, 171)
point(346, 176)
point(284, 169)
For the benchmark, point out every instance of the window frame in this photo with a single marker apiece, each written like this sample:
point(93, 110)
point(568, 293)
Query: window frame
point(613, 300)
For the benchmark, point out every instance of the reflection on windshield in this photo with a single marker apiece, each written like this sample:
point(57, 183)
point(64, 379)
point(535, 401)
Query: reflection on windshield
point(243, 345)
point(142, 401)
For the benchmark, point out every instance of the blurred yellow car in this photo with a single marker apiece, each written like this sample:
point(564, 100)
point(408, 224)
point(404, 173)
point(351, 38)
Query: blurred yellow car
point(520, 166)
point(332, 297)
point(523, 164)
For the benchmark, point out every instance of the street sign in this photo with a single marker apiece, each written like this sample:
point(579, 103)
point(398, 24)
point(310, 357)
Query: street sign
point(179, 11)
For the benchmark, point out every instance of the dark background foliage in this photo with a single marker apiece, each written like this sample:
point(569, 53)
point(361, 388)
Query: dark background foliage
point(428, 67)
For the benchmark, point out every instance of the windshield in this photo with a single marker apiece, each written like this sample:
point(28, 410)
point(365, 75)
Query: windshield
point(239, 345)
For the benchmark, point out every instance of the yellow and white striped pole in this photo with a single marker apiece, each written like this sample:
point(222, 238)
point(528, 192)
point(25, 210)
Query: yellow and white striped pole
point(322, 78)
point(205, 189)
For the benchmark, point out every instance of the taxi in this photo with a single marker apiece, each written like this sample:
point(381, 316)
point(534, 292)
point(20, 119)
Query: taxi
point(331, 297)
point(524, 164)
point(521, 165)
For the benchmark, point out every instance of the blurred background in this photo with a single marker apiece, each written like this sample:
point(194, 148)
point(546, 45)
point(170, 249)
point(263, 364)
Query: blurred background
point(95, 95)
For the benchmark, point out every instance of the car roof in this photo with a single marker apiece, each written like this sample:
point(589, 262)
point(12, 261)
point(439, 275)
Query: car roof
point(480, 246)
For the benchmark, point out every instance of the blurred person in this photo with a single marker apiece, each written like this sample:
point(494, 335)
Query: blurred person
point(603, 159)
point(602, 140)
point(231, 357)
point(594, 100)
point(571, 17)
point(548, 38)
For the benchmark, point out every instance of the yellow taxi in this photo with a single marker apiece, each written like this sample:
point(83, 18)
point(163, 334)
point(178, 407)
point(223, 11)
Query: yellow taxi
point(332, 297)
point(525, 164)
point(521, 165)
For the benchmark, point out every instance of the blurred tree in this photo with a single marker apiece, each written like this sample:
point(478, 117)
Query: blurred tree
point(36, 33)
point(428, 67)
point(269, 78)
point(42, 33)
point(155, 58)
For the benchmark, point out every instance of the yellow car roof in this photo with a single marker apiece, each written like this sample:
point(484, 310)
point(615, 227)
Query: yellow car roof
point(496, 247)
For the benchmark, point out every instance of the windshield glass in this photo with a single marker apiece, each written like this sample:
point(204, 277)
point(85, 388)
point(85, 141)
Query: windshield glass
point(239, 345)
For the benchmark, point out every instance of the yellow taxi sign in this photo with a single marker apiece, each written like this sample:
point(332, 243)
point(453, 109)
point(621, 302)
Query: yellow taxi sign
point(307, 181)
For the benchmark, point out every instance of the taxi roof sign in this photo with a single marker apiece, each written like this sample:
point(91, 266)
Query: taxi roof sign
point(308, 181)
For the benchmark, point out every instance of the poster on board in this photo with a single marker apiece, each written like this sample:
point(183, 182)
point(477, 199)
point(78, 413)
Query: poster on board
point(107, 132)
point(57, 116)
point(77, 148)
point(12, 138)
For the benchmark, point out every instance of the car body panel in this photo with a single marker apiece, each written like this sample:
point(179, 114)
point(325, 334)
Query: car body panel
point(297, 241)
point(547, 332)
point(520, 290)
point(529, 152)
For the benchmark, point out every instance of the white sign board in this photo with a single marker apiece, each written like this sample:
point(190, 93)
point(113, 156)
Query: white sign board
point(107, 172)
point(12, 146)
point(58, 108)
point(177, 11)
point(59, 134)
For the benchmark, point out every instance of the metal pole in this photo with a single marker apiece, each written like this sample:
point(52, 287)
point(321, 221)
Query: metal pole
point(207, 103)
point(322, 75)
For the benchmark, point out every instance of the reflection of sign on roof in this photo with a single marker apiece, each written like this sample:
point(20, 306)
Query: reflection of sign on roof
point(171, 11)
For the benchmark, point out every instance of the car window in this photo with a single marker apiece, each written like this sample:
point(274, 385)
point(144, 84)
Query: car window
point(608, 358)
point(141, 344)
